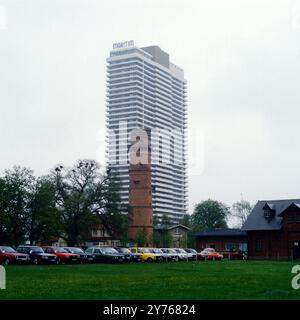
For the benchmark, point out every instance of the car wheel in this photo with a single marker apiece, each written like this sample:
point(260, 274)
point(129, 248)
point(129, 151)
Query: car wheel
point(6, 262)
point(58, 261)
point(149, 260)
point(35, 261)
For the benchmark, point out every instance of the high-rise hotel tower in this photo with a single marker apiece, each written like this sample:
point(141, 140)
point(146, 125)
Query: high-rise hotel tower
point(145, 90)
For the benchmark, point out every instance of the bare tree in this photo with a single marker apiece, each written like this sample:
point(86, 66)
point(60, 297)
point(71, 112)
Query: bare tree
point(240, 211)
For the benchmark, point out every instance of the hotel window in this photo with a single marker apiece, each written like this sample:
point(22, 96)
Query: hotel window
point(258, 245)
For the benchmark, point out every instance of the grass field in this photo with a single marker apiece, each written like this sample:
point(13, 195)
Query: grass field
point(182, 280)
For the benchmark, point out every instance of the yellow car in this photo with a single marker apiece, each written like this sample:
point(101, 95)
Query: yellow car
point(146, 254)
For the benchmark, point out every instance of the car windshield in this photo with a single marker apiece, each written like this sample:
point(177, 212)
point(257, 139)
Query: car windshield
point(156, 250)
point(172, 251)
point(180, 250)
point(109, 250)
point(192, 250)
point(8, 249)
point(36, 250)
point(211, 250)
point(76, 250)
point(144, 250)
point(61, 250)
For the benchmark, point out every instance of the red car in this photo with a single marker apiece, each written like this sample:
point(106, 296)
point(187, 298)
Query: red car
point(9, 255)
point(63, 255)
point(235, 255)
point(211, 254)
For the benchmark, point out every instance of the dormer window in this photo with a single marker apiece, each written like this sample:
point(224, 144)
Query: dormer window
point(269, 211)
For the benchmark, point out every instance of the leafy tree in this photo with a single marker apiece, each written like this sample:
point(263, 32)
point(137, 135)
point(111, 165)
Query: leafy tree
point(165, 221)
point(116, 224)
point(85, 197)
point(44, 220)
point(156, 239)
point(156, 220)
point(19, 183)
point(4, 219)
point(186, 220)
point(109, 207)
point(210, 214)
point(166, 240)
point(240, 211)
point(162, 237)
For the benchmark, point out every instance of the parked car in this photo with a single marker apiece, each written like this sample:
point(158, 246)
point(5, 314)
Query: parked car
point(182, 255)
point(146, 254)
point(235, 255)
point(63, 255)
point(192, 254)
point(9, 255)
point(164, 256)
point(84, 257)
point(128, 255)
point(211, 254)
point(37, 255)
point(106, 254)
point(172, 254)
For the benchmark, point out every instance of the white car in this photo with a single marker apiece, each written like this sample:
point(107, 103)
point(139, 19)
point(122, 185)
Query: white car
point(192, 254)
point(170, 254)
point(182, 255)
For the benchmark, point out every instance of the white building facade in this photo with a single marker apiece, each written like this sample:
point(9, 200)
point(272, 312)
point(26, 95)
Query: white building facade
point(145, 90)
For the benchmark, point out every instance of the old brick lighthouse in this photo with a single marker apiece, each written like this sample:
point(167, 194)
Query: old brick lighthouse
point(140, 213)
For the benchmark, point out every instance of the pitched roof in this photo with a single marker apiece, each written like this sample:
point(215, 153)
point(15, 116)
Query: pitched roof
point(164, 227)
point(257, 221)
point(269, 205)
point(220, 232)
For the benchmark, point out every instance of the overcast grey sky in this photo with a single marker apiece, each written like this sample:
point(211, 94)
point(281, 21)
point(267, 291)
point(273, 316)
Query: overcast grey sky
point(241, 61)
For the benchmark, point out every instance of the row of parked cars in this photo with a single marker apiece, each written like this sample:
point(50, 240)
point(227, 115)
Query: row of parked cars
point(56, 255)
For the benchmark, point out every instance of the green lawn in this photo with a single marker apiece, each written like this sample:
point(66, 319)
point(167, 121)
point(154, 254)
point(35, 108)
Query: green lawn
point(182, 280)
